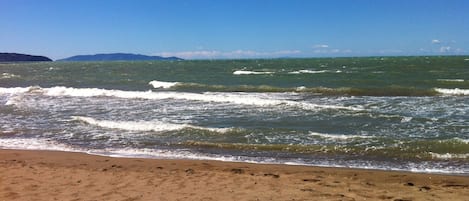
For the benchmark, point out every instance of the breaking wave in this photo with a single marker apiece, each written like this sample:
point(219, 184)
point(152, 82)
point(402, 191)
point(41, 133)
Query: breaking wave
point(245, 72)
point(450, 80)
point(161, 84)
point(155, 126)
point(34, 144)
point(449, 156)
point(314, 71)
point(350, 91)
point(455, 91)
point(8, 76)
point(338, 137)
point(308, 72)
point(181, 86)
point(234, 98)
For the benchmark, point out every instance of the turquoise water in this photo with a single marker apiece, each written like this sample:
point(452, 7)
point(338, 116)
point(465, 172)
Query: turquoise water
point(397, 113)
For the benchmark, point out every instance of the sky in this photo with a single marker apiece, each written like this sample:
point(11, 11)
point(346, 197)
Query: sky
point(219, 29)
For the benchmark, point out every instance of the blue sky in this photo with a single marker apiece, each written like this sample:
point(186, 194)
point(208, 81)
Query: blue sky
point(200, 29)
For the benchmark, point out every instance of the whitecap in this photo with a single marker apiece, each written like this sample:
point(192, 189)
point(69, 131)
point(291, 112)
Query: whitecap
point(301, 88)
point(176, 154)
point(455, 91)
point(245, 72)
point(450, 80)
point(14, 90)
point(406, 119)
point(307, 71)
point(161, 84)
point(461, 140)
point(156, 126)
point(448, 156)
point(234, 98)
point(34, 144)
point(338, 137)
point(8, 76)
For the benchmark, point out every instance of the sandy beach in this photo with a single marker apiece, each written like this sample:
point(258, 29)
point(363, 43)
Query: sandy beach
point(49, 175)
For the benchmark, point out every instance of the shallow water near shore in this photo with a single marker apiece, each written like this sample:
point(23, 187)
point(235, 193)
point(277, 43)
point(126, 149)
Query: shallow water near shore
point(392, 113)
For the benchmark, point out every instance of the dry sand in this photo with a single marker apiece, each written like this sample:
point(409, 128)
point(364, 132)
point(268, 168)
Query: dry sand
point(47, 175)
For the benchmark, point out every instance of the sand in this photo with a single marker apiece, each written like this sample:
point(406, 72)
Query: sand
point(48, 175)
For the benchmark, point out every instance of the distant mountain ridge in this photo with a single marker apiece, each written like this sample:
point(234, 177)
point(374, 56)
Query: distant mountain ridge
point(119, 57)
point(15, 57)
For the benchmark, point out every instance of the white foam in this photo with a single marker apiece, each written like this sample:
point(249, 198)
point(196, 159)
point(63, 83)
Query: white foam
point(15, 94)
point(455, 91)
point(448, 170)
point(308, 71)
point(449, 156)
point(166, 154)
point(156, 126)
point(461, 140)
point(249, 99)
point(185, 154)
point(301, 88)
point(8, 75)
point(245, 72)
point(235, 98)
point(406, 119)
point(450, 80)
point(161, 84)
point(15, 100)
point(43, 144)
point(34, 144)
point(14, 90)
point(338, 137)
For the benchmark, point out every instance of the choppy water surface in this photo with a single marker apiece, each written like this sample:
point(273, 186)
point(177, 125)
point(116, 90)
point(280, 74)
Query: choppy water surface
point(397, 113)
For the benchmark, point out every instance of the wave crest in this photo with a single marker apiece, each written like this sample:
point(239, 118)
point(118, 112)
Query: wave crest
point(155, 126)
point(455, 91)
point(234, 98)
point(450, 80)
point(448, 156)
point(338, 137)
point(161, 84)
point(308, 72)
point(245, 72)
point(8, 76)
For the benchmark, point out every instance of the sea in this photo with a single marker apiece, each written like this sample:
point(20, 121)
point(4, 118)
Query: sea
point(385, 113)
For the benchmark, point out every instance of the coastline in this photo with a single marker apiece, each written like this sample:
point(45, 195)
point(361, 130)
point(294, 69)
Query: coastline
point(55, 175)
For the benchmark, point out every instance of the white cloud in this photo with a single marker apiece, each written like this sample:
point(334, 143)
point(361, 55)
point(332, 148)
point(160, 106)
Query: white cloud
point(390, 51)
point(445, 49)
point(325, 49)
point(320, 46)
point(287, 52)
point(436, 41)
point(190, 54)
point(213, 54)
point(251, 53)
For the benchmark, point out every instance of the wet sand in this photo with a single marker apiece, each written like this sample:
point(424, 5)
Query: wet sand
point(48, 175)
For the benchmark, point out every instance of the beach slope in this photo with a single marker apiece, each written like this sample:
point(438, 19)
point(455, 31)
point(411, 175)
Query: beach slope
point(48, 175)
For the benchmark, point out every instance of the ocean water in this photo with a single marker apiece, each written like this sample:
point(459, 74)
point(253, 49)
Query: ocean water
point(391, 113)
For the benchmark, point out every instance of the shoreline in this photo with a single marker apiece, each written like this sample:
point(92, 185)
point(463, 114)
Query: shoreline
point(49, 175)
point(153, 157)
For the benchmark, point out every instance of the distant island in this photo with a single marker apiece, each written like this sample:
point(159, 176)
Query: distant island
point(15, 57)
point(119, 57)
